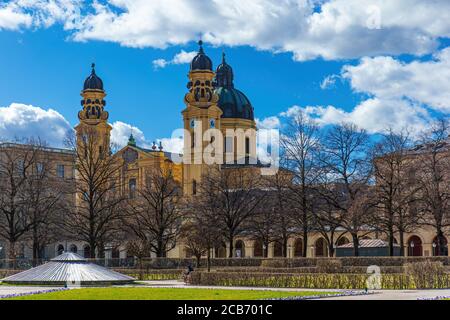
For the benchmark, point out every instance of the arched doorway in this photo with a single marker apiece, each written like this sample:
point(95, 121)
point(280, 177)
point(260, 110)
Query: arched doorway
point(60, 249)
point(342, 241)
point(87, 251)
point(258, 250)
point(115, 254)
point(415, 247)
point(277, 249)
point(321, 248)
point(298, 247)
point(220, 251)
point(437, 249)
point(188, 253)
point(73, 248)
point(239, 249)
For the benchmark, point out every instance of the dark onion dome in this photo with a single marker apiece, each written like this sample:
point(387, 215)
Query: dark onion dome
point(233, 102)
point(93, 82)
point(201, 61)
point(224, 74)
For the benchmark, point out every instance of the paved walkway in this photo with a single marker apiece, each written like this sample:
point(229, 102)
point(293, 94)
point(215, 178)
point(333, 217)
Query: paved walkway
point(377, 295)
point(6, 290)
point(398, 295)
point(180, 284)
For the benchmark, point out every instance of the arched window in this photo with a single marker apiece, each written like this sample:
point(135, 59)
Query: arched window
point(258, 248)
point(60, 249)
point(220, 251)
point(115, 253)
point(321, 248)
point(277, 249)
point(342, 241)
point(240, 249)
point(73, 248)
point(298, 248)
point(437, 249)
point(87, 251)
point(415, 247)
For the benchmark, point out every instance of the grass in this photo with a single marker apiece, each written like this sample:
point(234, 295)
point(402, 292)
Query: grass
point(164, 294)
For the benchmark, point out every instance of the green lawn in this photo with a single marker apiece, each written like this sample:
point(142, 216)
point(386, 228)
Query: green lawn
point(163, 294)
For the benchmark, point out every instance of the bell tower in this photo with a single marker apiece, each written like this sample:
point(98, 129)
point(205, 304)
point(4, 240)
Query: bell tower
point(200, 115)
point(93, 118)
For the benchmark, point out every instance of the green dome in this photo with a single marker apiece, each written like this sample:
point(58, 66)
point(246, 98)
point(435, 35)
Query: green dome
point(234, 103)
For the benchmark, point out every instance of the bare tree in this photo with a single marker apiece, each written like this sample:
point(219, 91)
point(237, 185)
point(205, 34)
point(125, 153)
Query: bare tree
point(201, 231)
point(234, 194)
point(19, 164)
point(327, 220)
point(265, 226)
point(434, 178)
point(300, 143)
point(347, 164)
point(278, 212)
point(43, 195)
point(97, 213)
point(394, 190)
point(155, 215)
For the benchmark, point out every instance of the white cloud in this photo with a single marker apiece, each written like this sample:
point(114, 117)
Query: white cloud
point(180, 58)
point(159, 63)
point(121, 133)
point(13, 19)
point(19, 121)
point(375, 115)
point(268, 123)
point(424, 82)
point(309, 29)
point(19, 14)
point(329, 82)
point(174, 144)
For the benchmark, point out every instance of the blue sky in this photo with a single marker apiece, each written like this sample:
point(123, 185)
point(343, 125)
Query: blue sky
point(336, 67)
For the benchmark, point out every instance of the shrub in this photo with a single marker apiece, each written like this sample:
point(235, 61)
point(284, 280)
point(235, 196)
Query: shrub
point(6, 273)
point(426, 274)
point(329, 266)
point(307, 281)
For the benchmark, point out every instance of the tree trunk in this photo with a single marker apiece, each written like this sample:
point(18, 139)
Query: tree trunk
point(305, 242)
point(208, 260)
point(331, 250)
point(355, 244)
point(391, 242)
point(441, 242)
point(285, 247)
point(231, 240)
point(402, 244)
point(12, 254)
point(198, 257)
point(93, 247)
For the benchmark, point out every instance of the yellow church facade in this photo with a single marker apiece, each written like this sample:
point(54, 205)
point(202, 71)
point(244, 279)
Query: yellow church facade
point(215, 113)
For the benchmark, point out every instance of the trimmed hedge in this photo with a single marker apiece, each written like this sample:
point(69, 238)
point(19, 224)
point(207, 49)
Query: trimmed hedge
point(351, 261)
point(161, 274)
point(346, 269)
point(6, 273)
point(311, 281)
point(171, 263)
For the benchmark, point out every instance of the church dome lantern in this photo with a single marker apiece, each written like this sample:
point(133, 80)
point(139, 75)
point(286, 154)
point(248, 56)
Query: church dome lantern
point(201, 61)
point(93, 82)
